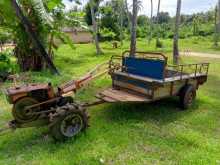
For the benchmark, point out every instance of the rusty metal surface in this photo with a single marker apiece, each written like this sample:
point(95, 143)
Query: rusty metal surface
point(26, 88)
point(74, 85)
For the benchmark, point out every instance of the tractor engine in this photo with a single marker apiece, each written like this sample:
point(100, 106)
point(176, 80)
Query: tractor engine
point(28, 99)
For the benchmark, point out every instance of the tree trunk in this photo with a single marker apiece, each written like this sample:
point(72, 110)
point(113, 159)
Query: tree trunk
point(217, 24)
point(157, 20)
point(95, 30)
point(151, 23)
point(121, 23)
point(133, 29)
point(218, 17)
point(216, 27)
point(31, 62)
point(176, 34)
point(129, 16)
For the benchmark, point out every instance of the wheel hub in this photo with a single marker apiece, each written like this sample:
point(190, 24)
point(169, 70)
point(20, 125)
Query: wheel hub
point(23, 115)
point(71, 125)
point(190, 98)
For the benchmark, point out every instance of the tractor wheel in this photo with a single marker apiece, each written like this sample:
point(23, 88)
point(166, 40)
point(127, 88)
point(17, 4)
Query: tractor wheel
point(22, 115)
point(187, 96)
point(69, 124)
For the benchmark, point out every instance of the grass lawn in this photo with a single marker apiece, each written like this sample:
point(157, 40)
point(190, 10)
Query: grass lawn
point(156, 133)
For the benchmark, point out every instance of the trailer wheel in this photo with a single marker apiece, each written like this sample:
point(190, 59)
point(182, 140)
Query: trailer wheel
point(187, 96)
point(69, 124)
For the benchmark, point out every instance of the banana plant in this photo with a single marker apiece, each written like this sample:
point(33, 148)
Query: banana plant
point(41, 14)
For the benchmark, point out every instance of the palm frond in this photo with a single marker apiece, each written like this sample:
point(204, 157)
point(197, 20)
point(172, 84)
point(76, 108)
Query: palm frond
point(39, 6)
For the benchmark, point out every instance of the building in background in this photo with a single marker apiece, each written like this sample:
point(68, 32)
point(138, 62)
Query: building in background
point(79, 35)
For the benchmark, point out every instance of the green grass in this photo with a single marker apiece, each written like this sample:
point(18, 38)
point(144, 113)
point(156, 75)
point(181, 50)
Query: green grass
point(156, 133)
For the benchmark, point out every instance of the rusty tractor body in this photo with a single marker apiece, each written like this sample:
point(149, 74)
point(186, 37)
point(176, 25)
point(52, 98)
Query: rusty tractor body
point(42, 104)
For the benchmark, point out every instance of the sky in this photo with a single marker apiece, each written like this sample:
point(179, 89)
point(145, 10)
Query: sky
point(188, 6)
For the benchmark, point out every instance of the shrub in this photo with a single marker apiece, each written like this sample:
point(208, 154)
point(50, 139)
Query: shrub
point(107, 34)
point(6, 67)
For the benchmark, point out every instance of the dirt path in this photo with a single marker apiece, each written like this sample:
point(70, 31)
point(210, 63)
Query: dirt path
point(198, 54)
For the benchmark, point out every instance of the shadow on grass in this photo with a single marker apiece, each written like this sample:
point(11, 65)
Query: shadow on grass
point(163, 111)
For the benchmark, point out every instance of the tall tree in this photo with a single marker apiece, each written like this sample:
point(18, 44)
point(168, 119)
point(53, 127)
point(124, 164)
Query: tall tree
point(216, 27)
point(151, 22)
point(176, 34)
point(92, 5)
point(134, 28)
point(129, 15)
point(217, 24)
point(157, 21)
point(218, 16)
point(121, 16)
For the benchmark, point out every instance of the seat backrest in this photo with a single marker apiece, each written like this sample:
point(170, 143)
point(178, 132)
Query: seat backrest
point(144, 67)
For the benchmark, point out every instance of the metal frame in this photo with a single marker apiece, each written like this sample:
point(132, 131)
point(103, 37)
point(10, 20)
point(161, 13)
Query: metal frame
point(199, 68)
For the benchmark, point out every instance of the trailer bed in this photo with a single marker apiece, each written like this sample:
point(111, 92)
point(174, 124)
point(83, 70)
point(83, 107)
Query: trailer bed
point(112, 95)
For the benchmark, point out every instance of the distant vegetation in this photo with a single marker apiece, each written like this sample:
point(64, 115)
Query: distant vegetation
point(112, 20)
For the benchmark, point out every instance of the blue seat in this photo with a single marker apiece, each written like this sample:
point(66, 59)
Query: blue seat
point(151, 68)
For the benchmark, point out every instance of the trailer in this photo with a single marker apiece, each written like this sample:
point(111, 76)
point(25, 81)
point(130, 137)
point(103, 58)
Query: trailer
point(146, 77)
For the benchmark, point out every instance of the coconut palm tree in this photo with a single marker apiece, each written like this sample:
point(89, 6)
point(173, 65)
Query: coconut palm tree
point(218, 16)
point(151, 22)
point(217, 24)
point(136, 7)
point(157, 21)
point(92, 5)
point(176, 34)
point(129, 15)
point(216, 27)
point(133, 28)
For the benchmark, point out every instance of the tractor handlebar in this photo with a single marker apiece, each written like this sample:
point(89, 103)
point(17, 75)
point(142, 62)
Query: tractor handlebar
point(72, 86)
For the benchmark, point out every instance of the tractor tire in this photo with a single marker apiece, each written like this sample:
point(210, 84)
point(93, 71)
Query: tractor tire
point(69, 123)
point(187, 96)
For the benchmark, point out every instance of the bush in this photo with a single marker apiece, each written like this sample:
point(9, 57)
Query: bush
point(6, 67)
point(141, 32)
point(107, 34)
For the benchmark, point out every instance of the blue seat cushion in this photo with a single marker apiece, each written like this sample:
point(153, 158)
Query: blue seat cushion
point(144, 67)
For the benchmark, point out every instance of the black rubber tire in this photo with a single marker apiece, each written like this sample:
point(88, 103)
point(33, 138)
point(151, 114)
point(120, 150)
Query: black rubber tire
point(55, 128)
point(187, 96)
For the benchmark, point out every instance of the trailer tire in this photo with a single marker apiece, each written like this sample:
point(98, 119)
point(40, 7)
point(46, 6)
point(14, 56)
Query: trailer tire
point(187, 96)
point(69, 124)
